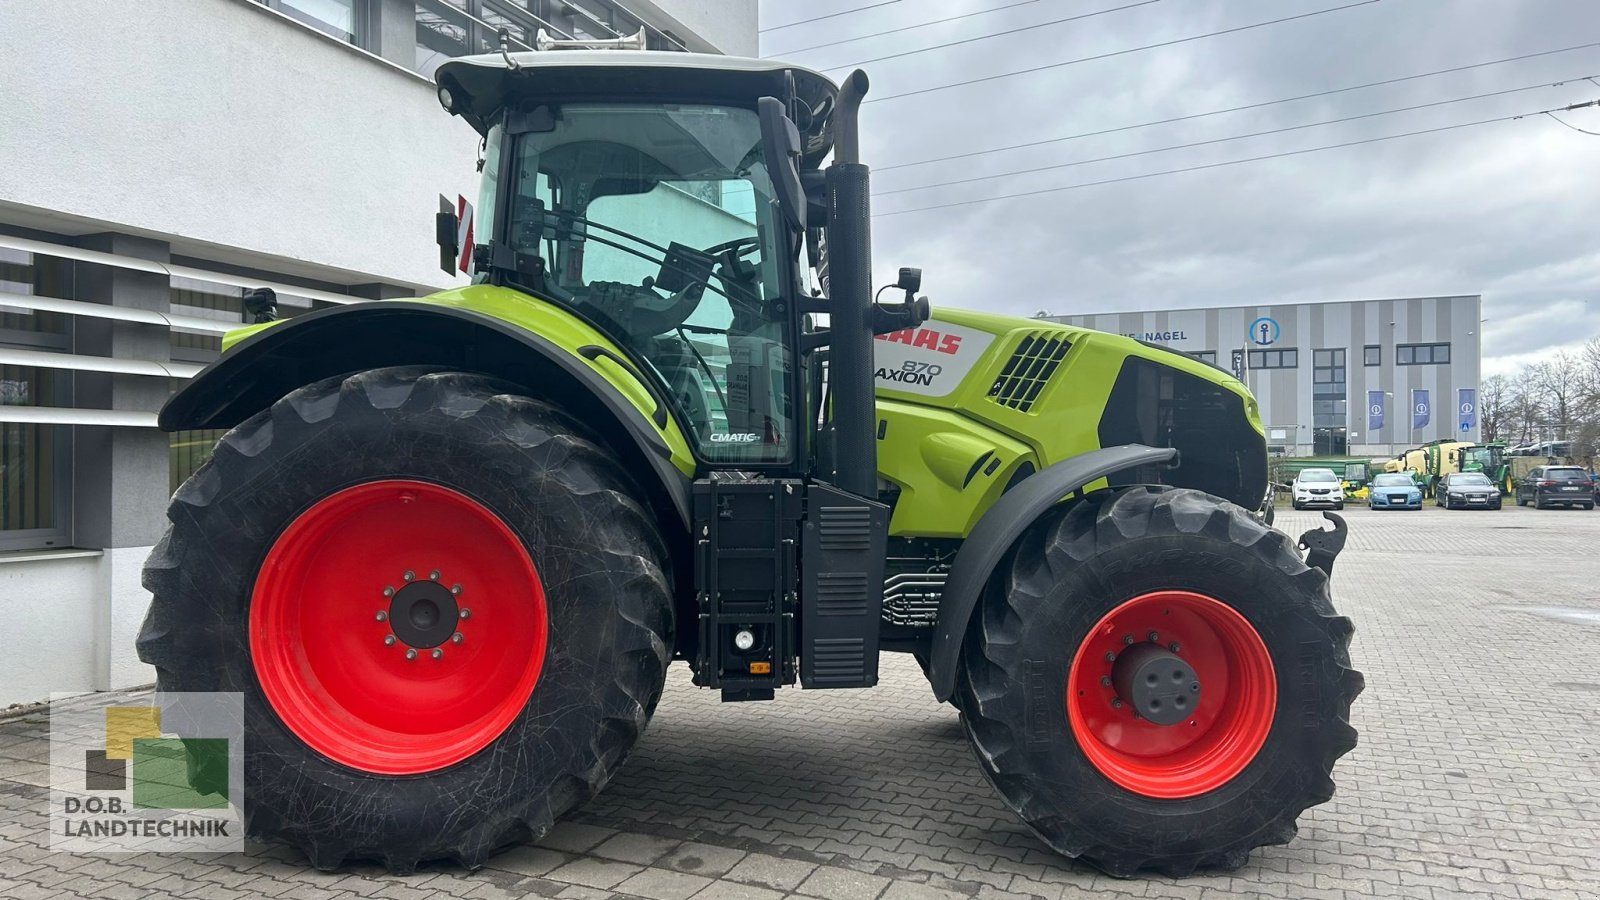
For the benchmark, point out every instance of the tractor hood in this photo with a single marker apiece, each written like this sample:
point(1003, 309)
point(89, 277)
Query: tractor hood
point(477, 88)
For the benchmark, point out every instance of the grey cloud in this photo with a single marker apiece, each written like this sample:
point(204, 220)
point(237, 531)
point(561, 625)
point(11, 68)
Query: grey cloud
point(1507, 210)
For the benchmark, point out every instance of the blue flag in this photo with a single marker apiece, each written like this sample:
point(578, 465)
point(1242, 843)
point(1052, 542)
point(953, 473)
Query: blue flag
point(1467, 406)
point(1421, 412)
point(1374, 410)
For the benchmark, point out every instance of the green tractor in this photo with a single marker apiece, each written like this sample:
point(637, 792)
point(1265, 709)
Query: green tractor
point(1491, 460)
point(449, 546)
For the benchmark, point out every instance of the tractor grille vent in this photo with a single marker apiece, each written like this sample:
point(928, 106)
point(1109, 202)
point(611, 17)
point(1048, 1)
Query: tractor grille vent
point(845, 527)
point(841, 594)
point(1028, 370)
point(839, 661)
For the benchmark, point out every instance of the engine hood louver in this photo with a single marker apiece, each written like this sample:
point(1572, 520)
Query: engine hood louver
point(1029, 369)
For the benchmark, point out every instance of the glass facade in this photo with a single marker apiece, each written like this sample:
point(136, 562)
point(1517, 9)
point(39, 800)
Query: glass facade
point(1329, 401)
point(35, 459)
point(189, 451)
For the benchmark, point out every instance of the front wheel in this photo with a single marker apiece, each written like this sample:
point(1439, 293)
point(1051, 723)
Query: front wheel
point(1155, 680)
point(447, 613)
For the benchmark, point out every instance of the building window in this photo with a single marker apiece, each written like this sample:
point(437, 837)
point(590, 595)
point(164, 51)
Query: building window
point(1421, 354)
point(1372, 355)
point(35, 459)
point(1206, 356)
point(1328, 388)
point(1275, 359)
point(334, 17)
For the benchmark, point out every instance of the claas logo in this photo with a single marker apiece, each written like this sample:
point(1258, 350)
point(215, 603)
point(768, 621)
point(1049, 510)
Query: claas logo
point(925, 338)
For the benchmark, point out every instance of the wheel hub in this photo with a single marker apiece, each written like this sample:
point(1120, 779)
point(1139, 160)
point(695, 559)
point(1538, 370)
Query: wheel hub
point(423, 614)
point(1161, 687)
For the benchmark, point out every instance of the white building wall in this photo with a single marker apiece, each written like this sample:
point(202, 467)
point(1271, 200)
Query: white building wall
point(50, 601)
point(230, 131)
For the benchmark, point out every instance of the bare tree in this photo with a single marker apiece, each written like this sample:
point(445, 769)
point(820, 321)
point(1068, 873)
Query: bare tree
point(1522, 407)
point(1557, 381)
point(1492, 414)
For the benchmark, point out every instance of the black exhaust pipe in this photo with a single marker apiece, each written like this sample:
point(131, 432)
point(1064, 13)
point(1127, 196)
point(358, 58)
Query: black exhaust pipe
point(850, 378)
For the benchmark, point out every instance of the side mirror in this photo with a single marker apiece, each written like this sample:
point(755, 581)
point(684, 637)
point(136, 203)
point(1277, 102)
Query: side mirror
point(780, 147)
point(445, 228)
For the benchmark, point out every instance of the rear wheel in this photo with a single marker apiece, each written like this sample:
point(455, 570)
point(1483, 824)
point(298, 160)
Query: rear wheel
point(386, 567)
point(1157, 681)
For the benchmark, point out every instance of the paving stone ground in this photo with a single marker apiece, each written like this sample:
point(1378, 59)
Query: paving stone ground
point(1478, 772)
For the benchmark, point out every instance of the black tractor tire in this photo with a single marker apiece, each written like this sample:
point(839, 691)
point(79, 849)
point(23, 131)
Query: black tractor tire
point(563, 498)
point(1049, 596)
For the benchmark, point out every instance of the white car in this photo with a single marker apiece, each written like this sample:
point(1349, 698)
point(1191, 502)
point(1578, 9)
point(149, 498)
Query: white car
point(1318, 487)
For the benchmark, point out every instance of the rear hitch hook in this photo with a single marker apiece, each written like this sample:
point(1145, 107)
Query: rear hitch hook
point(1322, 546)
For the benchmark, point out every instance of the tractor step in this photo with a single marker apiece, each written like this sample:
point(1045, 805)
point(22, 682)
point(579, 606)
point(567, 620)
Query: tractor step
point(788, 582)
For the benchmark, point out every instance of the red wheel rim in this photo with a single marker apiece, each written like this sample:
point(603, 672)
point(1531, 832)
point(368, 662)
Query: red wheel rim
point(1210, 746)
point(349, 602)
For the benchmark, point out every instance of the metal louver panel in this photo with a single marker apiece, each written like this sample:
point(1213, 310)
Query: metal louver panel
point(1028, 370)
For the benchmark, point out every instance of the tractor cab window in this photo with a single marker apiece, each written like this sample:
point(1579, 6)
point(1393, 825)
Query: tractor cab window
point(657, 224)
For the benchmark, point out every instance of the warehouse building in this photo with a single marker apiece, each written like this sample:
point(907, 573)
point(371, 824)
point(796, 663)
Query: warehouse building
point(161, 158)
point(1363, 378)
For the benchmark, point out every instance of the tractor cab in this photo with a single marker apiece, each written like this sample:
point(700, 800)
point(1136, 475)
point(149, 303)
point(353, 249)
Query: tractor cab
point(672, 218)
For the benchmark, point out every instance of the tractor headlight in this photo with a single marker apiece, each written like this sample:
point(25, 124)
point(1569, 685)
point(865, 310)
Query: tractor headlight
point(446, 99)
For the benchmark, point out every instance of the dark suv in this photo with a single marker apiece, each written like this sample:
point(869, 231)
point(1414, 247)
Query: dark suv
point(1551, 485)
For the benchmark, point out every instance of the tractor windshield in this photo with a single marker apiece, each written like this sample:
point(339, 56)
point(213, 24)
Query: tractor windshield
point(1480, 459)
point(657, 224)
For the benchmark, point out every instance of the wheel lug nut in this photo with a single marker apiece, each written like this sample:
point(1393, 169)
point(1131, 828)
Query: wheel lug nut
point(455, 588)
point(383, 615)
point(1110, 657)
point(457, 638)
point(1194, 687)
point(1154, 636)
point(388, 592)
point(466, 614)
point(1174, 647)
point(410, 575)
point(434, 575)
point(1127, 639)
point(1105, 681)
point(1116, 704)
point(438, 653)
point(412, 653)
point(388, 640)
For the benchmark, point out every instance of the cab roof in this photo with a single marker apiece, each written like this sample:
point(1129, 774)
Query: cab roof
point(482, 86)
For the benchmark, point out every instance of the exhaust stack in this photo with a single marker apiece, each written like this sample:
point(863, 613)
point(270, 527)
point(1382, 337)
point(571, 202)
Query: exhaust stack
point(855, 413)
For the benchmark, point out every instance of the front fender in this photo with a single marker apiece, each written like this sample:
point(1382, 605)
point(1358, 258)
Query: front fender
point(999, 528)
point(254, 373)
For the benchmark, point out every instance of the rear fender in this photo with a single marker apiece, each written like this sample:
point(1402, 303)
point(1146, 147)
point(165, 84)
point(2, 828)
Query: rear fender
point(270, 363)
point(999, 529)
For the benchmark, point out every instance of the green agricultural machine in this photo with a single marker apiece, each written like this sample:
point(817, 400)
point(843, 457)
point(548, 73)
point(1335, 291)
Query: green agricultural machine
point(449, 546)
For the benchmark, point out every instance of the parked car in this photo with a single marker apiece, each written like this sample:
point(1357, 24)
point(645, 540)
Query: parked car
point(1317, 487)
point(1467, 490)
point(1552, 485)
point(1393, 490)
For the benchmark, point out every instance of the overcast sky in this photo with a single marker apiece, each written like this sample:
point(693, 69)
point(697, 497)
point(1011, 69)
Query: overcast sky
point(1508, 210)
